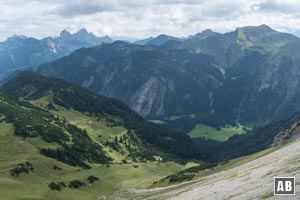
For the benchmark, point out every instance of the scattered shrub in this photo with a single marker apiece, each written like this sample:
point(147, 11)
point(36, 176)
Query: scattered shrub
point(55, 167)
point(22, 168)
point(57, 185)
point(181, 177)
point(76, 184)
point(92, 179)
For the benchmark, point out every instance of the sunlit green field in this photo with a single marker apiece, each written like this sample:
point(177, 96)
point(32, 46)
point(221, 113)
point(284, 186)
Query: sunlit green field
point(115, 177)
point(208, 132)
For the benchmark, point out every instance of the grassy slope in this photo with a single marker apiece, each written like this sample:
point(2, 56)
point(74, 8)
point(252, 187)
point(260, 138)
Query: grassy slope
point(14, 151)
point(35, 185)
point(112, 179)
point(208, 132)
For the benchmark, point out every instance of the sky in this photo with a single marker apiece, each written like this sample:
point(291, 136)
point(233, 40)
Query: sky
point(143, 18)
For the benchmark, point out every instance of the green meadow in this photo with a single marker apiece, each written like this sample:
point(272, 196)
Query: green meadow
point(112, 178)
point(223, 134)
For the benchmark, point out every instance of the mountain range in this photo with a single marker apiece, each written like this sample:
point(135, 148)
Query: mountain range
point(249, 75)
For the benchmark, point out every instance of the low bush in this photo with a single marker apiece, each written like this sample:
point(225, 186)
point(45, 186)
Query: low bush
point(92, 179)
point(76, 184)
point(22, 168)
point(57, 185)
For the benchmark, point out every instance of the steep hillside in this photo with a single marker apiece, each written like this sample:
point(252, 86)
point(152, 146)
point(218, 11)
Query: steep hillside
point(152, 81)
point(60, 141)
point(44, 156)
point(19, 52)
point(261, 88)
point(32, 86)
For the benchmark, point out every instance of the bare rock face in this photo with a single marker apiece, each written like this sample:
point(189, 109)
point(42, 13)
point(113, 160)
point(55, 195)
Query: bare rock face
point(147, 95)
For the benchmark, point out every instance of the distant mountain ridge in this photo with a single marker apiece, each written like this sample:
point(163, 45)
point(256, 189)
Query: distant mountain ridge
point(228, 48)
point(19, 52)
point(159, 40)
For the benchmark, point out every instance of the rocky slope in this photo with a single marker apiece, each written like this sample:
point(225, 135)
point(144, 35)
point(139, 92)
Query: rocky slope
point(253, 180)
point(246, 178)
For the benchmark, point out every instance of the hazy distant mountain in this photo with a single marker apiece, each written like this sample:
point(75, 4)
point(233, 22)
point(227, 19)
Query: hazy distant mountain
point(143, 41)
point(19, 52)
point(161, 39)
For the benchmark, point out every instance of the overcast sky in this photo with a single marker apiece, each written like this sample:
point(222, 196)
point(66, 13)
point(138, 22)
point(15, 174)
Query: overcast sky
point(143, 18)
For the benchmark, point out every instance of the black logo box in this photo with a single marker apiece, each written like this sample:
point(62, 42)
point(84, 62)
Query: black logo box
point(282, 184)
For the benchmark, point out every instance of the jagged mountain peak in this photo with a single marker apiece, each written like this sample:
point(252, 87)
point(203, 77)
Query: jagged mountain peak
point(83, 33)
point(65, 34)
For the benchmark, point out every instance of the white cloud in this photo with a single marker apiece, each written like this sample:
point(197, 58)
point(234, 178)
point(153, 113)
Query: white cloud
point(139, 19)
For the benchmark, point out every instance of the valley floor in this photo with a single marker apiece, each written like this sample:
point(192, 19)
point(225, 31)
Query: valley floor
point(252, 180)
